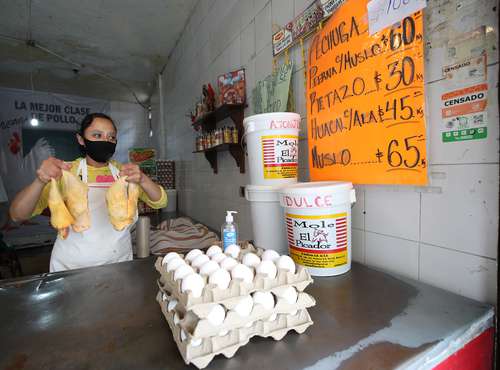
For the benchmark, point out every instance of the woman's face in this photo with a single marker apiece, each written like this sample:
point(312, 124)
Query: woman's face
point(101, 129)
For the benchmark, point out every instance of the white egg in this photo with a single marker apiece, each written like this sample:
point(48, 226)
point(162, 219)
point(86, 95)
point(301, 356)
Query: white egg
point(250, 259)
point(272, 317)
point(208, 268)
point(267, 268)
point(169, 256)
point(270, 255)
point(294, 312)
point(200, 261)
point(266, 299)
point(177, 319)
point(240, 271)
point(193, 283)
point(289, 294)
point(214, 249)
point(223, 333)
point(171, 305)
point(228, 263)
point(219, 257)
point(286, 263)
point(182, 271)
point(216, 315)
point(184, 335)
point(195, 342)
point(174, 264)
point(244, 306)
point(233, 250)
point(192, 254)
point(220, 277)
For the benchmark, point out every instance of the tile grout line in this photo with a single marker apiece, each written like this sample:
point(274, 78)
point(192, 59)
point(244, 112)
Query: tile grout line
point(419, 236)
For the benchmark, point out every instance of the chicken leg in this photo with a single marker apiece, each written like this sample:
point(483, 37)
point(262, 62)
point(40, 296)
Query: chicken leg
point(60, 218)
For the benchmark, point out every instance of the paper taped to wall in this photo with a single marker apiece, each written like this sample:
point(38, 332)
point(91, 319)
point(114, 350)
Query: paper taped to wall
point(384, 13)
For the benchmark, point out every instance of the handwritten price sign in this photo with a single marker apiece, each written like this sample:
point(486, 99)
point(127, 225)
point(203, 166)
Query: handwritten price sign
point(365, 101)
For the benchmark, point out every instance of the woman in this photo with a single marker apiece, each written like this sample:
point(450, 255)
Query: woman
point(101, 243)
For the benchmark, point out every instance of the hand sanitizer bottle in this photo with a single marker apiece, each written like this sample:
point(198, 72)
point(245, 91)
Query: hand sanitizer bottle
point(229, 231)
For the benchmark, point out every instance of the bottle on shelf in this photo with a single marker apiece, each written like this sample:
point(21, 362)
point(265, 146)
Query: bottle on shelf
point(235, 135)
point(220, 136)
point(228, 138)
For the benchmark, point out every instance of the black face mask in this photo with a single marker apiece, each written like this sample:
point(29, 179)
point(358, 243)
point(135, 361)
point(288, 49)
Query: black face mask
point(99, 151)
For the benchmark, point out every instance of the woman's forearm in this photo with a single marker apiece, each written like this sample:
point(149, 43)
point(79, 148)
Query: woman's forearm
point(25, 201)
point(152, 190)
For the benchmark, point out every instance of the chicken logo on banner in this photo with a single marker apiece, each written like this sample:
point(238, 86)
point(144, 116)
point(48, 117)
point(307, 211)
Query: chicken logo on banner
point(14, 143)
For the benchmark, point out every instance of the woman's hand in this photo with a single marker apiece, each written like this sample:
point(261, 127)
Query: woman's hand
point(51, 168)
point(133, 173)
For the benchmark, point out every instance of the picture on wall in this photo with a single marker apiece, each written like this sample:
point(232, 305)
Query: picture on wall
point(232, 87)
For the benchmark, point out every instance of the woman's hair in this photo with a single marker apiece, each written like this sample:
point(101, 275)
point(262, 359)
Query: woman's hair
point(89, 118)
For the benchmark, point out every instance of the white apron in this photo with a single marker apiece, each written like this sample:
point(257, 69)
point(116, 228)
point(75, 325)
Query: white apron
point(101, 243)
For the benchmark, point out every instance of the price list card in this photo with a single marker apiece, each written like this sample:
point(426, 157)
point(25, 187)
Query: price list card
point(365, 100)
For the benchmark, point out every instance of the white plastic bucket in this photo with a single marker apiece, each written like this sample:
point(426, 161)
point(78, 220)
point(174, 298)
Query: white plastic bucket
point(273, 148)
point(172, 200)
point(318, 224)
point(267, 217)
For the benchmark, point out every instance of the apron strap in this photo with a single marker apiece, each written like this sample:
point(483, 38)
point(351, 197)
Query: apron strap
point(82, 167)
point(114, 171)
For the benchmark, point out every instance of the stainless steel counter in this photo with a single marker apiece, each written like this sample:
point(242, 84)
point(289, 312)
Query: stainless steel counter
point(107, 318)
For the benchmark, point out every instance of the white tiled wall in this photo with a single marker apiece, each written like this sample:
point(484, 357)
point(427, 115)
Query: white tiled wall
point(444, 234)
point(133, 128)
point(394, 254)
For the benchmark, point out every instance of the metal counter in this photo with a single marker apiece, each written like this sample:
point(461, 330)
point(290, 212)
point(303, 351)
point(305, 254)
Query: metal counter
point(107, 318)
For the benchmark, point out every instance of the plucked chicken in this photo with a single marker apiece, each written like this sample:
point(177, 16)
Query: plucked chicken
point(60, 218)
point(121, 201)
point(75, 195)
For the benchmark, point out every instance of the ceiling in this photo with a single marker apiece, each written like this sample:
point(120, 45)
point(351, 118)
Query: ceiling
point(124, 40)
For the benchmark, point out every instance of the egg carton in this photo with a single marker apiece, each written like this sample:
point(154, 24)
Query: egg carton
point(202, 354)
point(237, 288)
point(196, 322)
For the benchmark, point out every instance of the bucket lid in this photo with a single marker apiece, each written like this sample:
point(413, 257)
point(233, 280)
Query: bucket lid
point(272, 121)
point(320, 194)
point(262, 193)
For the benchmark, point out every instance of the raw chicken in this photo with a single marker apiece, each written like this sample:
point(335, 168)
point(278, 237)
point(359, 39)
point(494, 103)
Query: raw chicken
point(60, 218)
point(75, 195)
point(121, 200)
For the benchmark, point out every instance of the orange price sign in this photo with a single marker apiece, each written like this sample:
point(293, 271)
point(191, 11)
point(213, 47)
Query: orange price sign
point(365, 100)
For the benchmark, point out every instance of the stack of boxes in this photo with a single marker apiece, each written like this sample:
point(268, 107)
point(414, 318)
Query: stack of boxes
point(160, 171)
point(219, 319)
point(165, 171)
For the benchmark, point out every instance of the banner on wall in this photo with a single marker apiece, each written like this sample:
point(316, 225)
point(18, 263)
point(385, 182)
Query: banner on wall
point(23, 147)
point(365, 100)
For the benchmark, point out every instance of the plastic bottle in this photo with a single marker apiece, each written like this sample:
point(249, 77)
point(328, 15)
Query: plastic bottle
point(229, 231)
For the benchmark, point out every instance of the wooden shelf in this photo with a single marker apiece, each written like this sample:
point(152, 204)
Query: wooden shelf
point(218, 148)
point(209, 123)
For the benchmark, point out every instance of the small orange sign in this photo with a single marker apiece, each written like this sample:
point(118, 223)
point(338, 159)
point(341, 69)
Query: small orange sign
point(365, 100)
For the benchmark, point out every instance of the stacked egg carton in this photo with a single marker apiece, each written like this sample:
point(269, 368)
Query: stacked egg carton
point(215, 302)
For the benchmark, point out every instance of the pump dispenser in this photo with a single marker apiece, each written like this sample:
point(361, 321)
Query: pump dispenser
point(229, 231)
